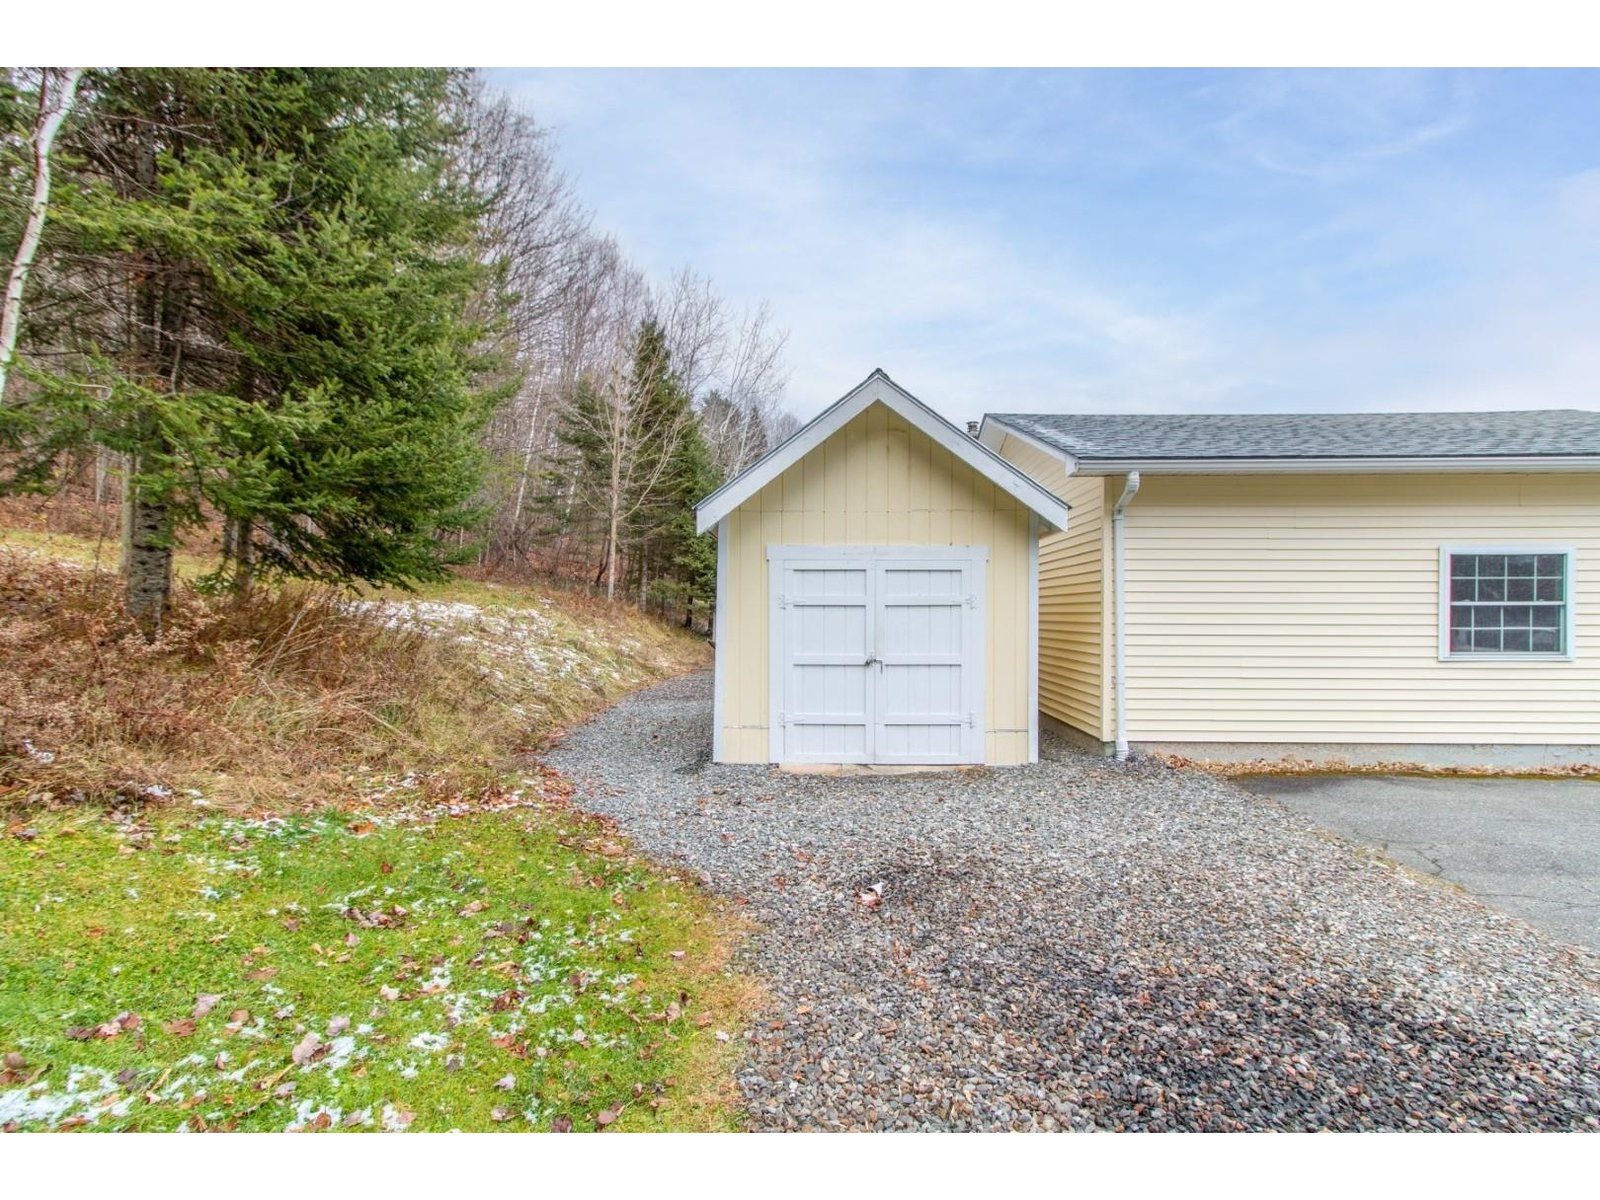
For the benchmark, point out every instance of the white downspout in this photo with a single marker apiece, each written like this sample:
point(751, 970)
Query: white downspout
point(1119, 623)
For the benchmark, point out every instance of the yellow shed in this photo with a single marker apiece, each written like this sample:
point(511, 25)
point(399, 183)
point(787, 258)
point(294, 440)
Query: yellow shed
point(877, 593)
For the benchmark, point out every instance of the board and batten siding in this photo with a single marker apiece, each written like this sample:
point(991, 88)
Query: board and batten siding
point(1305, 608)
point(876, 482)
point(1074, 597)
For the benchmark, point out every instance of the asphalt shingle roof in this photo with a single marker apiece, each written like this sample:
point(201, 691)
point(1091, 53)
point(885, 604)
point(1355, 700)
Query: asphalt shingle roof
point(1542, 432)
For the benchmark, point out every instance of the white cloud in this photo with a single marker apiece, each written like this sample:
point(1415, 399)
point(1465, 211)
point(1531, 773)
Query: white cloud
point(1066, 243)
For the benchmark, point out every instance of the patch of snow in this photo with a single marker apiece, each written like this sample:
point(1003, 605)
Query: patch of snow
point(38, 1104)
point(340, 1051)
point(307, 1111)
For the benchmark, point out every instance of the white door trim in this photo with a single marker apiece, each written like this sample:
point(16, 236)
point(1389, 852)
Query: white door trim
point(913, 553)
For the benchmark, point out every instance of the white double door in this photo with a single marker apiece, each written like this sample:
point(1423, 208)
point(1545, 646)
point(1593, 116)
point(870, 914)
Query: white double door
point(877, 654)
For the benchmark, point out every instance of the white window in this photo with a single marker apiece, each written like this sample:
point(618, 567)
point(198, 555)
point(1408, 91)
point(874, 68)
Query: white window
point(1505, 602)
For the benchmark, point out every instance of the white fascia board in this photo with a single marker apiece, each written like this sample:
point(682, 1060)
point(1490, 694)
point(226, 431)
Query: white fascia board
point(993, 433)
point(878, 388)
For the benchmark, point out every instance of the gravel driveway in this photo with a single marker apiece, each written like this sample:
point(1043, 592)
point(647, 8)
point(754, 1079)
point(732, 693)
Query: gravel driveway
point(1082, 945)
point(1530, 847)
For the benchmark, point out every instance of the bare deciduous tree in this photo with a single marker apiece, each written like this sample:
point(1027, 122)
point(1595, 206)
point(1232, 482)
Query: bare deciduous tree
point(577, 304)
point(696, 324)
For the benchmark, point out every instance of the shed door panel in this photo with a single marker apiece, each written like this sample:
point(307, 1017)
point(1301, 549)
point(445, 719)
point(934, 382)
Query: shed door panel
point(879, 658)
point(825, 616)
point(929, 650)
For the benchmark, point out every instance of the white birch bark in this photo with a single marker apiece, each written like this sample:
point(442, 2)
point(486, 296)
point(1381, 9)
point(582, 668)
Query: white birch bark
point(52, 112)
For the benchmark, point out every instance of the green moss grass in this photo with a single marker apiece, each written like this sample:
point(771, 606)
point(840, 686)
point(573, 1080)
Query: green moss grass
point(510, 970)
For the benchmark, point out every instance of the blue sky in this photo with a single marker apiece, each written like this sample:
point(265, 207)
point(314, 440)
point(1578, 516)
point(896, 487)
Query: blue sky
point(1121, 240)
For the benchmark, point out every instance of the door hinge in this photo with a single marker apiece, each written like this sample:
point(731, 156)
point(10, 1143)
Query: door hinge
point(972, 600)
point(971, 720)
point(783, 601)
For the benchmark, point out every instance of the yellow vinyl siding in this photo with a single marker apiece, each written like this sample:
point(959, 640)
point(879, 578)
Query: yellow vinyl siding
point(1074, 609)
point(1306, 609)
point(877, 482)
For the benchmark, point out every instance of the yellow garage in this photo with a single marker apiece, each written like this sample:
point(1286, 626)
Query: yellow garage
point(877, 593)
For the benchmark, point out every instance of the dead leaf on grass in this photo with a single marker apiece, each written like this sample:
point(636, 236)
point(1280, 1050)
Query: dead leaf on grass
point(302, 1053)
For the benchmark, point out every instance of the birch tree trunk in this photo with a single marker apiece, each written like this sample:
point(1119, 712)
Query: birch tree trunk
point(611, 558)
point(52, 112)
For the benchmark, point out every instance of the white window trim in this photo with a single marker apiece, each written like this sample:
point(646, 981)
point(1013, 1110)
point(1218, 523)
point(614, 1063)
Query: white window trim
point(1482, 658)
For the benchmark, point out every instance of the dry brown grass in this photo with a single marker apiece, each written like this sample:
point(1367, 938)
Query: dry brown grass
point(288, 699)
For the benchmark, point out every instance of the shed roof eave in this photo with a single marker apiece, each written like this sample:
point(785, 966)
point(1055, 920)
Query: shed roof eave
point(879, 388)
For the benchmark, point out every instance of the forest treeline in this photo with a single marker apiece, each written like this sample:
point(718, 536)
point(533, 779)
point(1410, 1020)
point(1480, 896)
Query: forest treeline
point(359, 320)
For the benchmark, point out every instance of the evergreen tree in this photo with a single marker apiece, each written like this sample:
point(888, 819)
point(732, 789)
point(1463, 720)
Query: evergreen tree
point(693, 556)
point(583, 485)
point(623, 462)
point(277, 264)
point(667, 435)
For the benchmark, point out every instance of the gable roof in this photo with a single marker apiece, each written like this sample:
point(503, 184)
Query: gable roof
point(1536, 439)
point(878, 388)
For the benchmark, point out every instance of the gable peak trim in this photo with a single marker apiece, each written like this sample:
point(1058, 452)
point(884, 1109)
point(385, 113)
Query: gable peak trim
point(878, 387)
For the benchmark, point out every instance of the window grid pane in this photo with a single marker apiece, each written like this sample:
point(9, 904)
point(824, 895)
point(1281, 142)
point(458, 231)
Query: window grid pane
point(1508, 603)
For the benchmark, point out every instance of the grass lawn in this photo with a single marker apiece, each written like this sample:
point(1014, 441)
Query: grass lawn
point(515, 969)
point(290, 867)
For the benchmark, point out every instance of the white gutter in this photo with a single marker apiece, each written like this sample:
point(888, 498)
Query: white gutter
point(1481, 464)
point(1119, 618)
